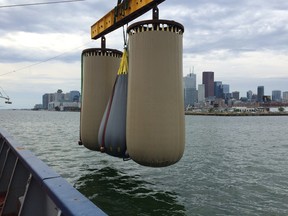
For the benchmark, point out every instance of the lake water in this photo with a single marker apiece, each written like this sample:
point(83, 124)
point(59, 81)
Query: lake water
point(231, 166)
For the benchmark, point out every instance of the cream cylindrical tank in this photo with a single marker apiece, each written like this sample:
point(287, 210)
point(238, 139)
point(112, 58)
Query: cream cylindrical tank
point(155, 130)
point(99, 70)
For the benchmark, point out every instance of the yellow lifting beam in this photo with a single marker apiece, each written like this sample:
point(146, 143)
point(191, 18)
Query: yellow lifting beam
point(123, 13)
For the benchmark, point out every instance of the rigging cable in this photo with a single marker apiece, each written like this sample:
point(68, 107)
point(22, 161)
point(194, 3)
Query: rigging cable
point(33, 4)
point(39, 3)
point(43, 61)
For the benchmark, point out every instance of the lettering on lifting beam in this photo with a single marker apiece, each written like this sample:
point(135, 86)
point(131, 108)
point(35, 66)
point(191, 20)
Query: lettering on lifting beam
point(123, 13)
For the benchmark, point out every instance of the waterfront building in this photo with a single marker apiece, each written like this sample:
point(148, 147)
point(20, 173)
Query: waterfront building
point(59, 96)
point(219, 102)
point(266, 98)
point(226, 88)
point(38, 106)
point(190, 96)
point(67, 96)
point(260, 93)
point(226, 91)
point(201, 93)
point(285, 96)
point(254, 97)
point(64, 106)
point(236, 95)
point(249, 95)
point(276, 95)
point(208, 81)
point(74, 96)
point(244, 99)
point(52, 100)
point(46, 99)
point(190, 92)
point(218, 89)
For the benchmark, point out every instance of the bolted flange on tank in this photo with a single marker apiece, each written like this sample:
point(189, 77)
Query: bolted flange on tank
point(99, 70)
point(155, 130)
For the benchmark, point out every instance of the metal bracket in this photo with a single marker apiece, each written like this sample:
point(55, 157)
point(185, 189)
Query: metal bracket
point(155, 13)
point(103, 43)
point(123, 13)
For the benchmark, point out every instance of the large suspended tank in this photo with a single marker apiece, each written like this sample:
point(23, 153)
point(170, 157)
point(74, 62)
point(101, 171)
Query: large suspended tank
point(155, 104)
point(99, 70)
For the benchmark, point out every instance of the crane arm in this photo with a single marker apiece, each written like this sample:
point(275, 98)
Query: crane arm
point(123, 13)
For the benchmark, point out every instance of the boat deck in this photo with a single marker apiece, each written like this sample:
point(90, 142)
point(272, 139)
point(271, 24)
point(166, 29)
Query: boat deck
point(29, 187)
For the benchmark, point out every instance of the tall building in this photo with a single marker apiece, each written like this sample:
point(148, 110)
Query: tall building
point(208, 81)
point(59, 96)
point(218, 89)
point(190, 96)
point(190, 92)
point(236, 95)
point(254, 97)
point(226, 91)
point(226, 88)
point(249, 95)
point(74, 96)
point(46, 99)
point(276, 95)
point(285, 96)
point(260, 93)
point(190, 81)
point(201, 93)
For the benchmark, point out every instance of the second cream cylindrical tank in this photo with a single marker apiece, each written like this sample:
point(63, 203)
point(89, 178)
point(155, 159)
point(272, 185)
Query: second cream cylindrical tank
point(155, 104)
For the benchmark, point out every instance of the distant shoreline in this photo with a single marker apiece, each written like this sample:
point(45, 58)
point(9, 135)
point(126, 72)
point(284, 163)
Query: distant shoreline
point(237, 114)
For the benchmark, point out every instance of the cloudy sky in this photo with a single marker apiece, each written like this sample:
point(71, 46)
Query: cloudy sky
point(244, 42)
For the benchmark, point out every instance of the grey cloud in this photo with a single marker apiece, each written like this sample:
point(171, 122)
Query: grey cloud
point(50, 18)
point(210, 25)
point(217, 25)
point(8, 55)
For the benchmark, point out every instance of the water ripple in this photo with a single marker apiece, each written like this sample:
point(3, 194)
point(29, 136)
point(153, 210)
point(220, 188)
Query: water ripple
point(231, 166)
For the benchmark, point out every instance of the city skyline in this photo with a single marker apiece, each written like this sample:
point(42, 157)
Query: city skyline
point(245, 43)
point(231, 89)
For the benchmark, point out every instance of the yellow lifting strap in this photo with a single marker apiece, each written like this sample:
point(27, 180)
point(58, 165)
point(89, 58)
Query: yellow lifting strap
point(123, 69)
